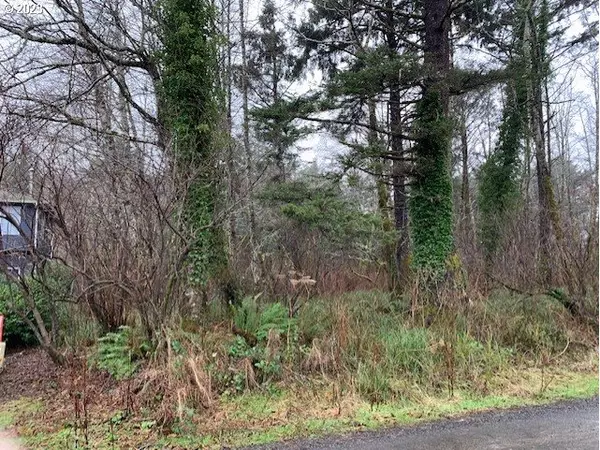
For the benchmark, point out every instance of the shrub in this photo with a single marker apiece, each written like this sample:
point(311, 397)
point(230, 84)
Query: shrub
point(315, 320)
point(78, 326)
point(246, 316)
point(47, 288)
point(525, 323)
point(475, 359)
point(16, 331)
point(275, 318)
point(260, 346)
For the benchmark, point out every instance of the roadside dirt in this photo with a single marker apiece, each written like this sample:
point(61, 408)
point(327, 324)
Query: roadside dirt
point(72, 394)
point(27, 373)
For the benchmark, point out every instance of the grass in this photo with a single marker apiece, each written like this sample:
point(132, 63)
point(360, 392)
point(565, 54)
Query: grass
point(294, 412)
point(10, 410)
point(356, 414)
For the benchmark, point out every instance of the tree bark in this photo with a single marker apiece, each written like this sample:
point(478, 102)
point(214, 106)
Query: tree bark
point(549, 218)
point(231, 166)
point(254, 266)
point(465, 194)
point(383, 195)
point(398, 166)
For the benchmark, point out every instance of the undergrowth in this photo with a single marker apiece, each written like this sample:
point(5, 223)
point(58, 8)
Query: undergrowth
point(368, 344)
point(364, 346)
point(119, 353)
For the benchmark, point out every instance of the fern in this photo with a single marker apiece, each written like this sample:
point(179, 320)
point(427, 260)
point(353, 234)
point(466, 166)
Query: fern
point(246, 316)
point(250, 319)
point(117, 354)
point(274, 317)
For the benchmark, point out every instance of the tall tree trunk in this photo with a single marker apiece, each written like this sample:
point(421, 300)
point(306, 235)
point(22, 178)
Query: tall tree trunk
point(549, 218)
point(192, 98)
point(431, 199)
point(254, 266)
point(465, 192)
point(231, 169)
point(545, 196)
point(383, 194)
point(399, 174)
point(401, 219)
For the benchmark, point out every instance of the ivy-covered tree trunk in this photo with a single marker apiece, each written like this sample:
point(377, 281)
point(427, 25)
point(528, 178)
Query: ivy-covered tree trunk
point(191, 99)
point(431, 199)
point(498, 176)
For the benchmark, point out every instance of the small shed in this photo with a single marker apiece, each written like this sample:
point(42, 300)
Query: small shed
point(24, 234)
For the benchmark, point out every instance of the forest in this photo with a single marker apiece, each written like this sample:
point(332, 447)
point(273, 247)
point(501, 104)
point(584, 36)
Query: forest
point(235, 222)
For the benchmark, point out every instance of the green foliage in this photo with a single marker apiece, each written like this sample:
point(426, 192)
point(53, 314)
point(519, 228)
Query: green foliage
point(45, 291)
point(499, 175)
point(373, 72)
point(314, 320)
point(479, 359)
point(189, 55)
point(524, 324)
point(16, 331)
point(431, 199)
point(323, 209)
point(119, 353)
point(268, 69)
point(246, 316)
point(373, 383)
point(273, 318)
point(371, 339)
point(267, 365)
point(264, 328)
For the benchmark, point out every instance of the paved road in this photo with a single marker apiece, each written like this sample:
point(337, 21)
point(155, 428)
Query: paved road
point(568, 425)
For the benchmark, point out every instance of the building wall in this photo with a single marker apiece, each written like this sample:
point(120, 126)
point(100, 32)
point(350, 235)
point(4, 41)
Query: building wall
point(22, 237)
point(17, 244)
